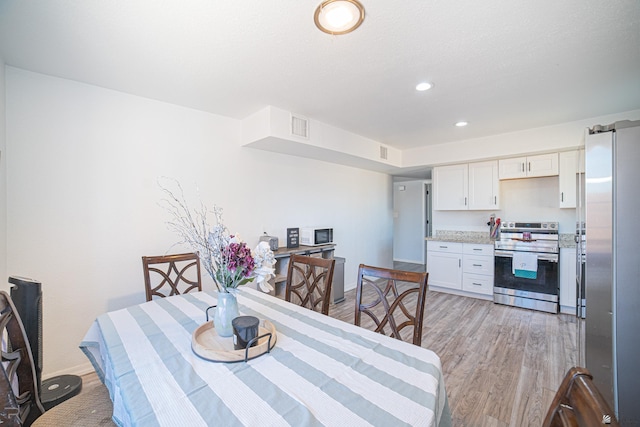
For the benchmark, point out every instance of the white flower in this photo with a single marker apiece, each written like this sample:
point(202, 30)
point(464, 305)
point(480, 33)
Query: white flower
point(264, 260)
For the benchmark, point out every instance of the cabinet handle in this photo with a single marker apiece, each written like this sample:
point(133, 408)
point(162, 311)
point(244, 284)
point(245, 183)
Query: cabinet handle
point(522, 166)
point(477, 284)
point(495, 200)
point(459, 262)
point(444, 247)
point(477, 265)
point(477, 249)
point(562, 196)
point(529, 166)
point(465, 201)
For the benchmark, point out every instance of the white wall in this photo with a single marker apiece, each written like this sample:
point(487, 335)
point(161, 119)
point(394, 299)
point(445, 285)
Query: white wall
point(82, 198)
point(3, 182)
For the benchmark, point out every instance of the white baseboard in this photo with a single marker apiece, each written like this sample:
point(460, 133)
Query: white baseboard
point(461, 293)
point(85, 368)
point(410, 261)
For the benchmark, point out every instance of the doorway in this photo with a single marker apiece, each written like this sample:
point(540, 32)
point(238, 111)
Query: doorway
point(411, 221)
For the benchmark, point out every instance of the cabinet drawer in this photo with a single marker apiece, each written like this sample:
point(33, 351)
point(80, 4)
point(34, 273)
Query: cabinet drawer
point(437, 246)
point(477, 249)
point(478, 265)
point(477, 284)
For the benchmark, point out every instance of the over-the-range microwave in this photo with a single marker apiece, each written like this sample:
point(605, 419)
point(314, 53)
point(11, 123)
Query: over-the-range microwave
point(313, 236)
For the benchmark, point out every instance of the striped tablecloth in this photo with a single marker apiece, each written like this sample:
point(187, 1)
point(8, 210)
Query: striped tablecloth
point(322, 371)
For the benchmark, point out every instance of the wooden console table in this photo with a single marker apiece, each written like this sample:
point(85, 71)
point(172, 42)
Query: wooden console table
point(282, 256)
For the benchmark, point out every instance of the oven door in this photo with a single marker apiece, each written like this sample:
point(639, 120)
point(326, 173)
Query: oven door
point(540, 293)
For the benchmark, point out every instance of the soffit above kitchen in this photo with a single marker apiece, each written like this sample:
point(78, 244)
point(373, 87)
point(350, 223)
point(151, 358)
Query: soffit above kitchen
point(502, 66)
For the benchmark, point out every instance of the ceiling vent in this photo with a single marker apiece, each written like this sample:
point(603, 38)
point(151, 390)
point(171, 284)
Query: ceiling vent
point(383, 152)
point(299, 126)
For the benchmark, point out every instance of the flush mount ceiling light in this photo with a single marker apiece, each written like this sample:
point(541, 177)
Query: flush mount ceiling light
point(421, 87)
point(461, 124)
point(339, 16)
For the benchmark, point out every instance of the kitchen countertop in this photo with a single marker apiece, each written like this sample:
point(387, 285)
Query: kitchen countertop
point(477, 237)
point(565, 240)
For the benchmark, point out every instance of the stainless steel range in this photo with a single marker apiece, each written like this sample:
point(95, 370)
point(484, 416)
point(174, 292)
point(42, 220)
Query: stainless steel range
point(526, 265)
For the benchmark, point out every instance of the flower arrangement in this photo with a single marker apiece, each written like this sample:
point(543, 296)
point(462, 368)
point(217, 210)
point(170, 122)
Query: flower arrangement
point(226, 258)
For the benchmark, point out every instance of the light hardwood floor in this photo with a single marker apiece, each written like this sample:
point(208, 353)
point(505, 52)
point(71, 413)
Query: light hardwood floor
point(502, 365)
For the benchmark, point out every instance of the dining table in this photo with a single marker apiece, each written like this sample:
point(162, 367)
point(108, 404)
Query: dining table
point(321, 371)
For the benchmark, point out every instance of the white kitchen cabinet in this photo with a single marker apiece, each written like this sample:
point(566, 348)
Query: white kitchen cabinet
point(473, 186)
point(484, 186)
point(451, 187)
point(477, 268)
point(568, 280)
point(444, 264)
point(528, 167)
point(568, 168)
point(461, 266)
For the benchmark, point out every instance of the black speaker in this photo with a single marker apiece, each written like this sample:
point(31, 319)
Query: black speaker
point(27, 298)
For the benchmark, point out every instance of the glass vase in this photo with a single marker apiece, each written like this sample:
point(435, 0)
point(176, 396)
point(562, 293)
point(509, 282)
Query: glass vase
point(226, 311)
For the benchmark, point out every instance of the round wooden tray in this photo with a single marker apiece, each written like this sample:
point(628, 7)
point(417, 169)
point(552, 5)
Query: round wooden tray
point(207, 344)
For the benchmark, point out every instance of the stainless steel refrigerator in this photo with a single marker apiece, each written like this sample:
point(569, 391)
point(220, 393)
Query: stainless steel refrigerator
point(612, 265)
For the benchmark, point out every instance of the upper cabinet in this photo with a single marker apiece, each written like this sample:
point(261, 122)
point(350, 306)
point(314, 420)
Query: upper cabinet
point(528, 167)
point(451, 187)
point(472, 186)
point(567, 178)
point(484, 186)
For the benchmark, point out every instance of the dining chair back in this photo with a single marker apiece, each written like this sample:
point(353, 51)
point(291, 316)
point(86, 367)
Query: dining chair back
point(392, 300)
point(168, 275)
point(19, 395)
point(309, 282)
point(578, 402)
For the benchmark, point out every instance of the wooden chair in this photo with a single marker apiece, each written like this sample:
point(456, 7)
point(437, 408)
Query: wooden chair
point(579, 403)
point(388, 296)
point(309, 282)
point(164, 275)
point(20, 405)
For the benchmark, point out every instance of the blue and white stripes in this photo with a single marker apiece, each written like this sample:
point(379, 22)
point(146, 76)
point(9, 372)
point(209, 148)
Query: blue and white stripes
point(322, 371)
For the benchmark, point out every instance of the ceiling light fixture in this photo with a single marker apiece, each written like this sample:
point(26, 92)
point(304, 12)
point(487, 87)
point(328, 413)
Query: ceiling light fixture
point(339, 16)
point(461, 124)
point(421, 87)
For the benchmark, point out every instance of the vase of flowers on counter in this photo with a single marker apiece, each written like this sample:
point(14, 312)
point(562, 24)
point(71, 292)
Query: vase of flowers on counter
point(226, 258)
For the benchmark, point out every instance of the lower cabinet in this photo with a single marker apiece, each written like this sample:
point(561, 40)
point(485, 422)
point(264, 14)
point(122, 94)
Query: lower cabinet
point(466, 267)
point(444, 264)
point(568, 286)
point(477, 274)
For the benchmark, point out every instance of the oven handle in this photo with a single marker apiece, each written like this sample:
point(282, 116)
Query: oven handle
point(543, 257)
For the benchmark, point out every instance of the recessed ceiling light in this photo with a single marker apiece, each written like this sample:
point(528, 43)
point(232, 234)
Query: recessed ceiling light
point(461, 124)
point(424, 86)
point(339, 16)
